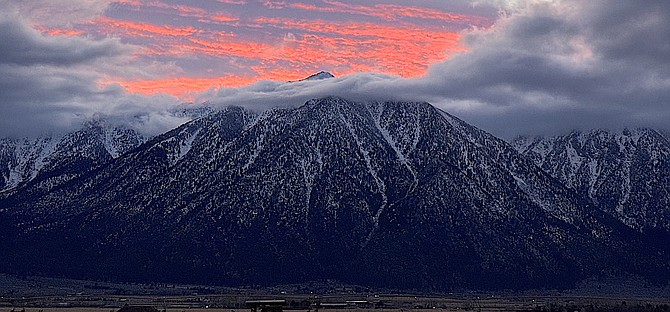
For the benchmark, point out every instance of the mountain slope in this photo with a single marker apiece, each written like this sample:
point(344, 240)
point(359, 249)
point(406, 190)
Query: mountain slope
point(52, 160)
point(317, 76)
point(384, 193)
point(625, 173)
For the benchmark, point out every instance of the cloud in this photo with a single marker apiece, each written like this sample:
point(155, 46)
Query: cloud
point(389, 12)
point(57, 13)
point(276, 40)
point(545, 67)
point(306, 46)
point(144, 29)
point(264, 95)
point(403, 50)
point(555, 66)
point(183, 87)
point(50, 84)
point(23, 45)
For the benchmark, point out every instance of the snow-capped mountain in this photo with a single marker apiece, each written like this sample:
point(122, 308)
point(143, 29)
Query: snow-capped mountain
point(624, 173)
point(318, 76)
point(48, 161)
point(390, 194)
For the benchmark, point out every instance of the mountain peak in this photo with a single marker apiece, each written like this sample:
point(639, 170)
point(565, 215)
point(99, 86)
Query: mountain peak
point(339, 189)
point(318, 76)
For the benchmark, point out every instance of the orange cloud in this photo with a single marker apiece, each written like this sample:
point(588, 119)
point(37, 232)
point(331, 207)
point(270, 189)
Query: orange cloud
point(136, 29)
point(190, 11)
point(134, 3)
point(275, 4)
point(59, 32)
point(404, 50)
point(181, 10)
point(201, 15)
point(181, 87)
point(417, 12)
point(341, 47)
point(361, 29)
point(223, 18)
point(244, 49)
point(300, 48)
point(237, 2)
point(282, 74)
point(391, 12)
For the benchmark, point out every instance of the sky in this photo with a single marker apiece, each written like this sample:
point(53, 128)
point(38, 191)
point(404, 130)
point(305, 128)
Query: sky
point(510, 67)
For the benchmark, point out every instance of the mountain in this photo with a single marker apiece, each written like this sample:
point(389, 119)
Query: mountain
point(318, 76)
point(48, 161)
point(392, 194)
point(624, 173)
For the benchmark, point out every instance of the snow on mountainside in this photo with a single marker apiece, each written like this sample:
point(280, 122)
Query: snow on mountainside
point(331, 189)
point(625, 173)
point(52, 160)
point(318, 76)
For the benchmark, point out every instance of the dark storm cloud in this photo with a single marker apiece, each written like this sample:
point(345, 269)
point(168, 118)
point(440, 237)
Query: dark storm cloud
point(631, 30)
point(22, 45)
point(50, 84)
point(562, 65)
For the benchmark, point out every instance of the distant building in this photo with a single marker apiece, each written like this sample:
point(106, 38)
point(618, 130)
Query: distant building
point(138, 309)
point(351, 304)
point(275, 305)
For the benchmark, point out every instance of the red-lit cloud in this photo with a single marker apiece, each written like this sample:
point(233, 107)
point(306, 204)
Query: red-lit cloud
point(59, 31)
point(388, 12)
point(142, 29)
point(66, 59)
point(182, 87)
point(237, 2)
point(403, 50)
point(234, 42)
point(223, 18)
point(350, 46)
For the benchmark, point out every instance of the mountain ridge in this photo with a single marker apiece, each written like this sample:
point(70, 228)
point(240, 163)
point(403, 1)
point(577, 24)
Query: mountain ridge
point(55, 159)
point(625, 173)
point(353, 191)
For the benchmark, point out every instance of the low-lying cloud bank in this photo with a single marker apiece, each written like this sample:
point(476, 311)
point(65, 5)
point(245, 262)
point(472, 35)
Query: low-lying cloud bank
point(547, 67)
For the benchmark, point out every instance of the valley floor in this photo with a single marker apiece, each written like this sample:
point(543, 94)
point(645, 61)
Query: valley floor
point(40, 294)
point(442, 305)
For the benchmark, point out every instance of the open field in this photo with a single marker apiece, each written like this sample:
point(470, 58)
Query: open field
point(40, 294)
point(376, 303)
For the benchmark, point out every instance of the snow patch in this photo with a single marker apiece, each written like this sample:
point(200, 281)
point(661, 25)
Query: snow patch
point(30, 157)
point(111, 137)
point(187, 144)
point(594, 174)
point(399, 155)
point(381, 186)
point(258, 147)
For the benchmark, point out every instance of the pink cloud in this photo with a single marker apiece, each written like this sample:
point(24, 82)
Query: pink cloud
point(391, 12)
point(182, 87)
point(59, 31)
point(135, 29)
